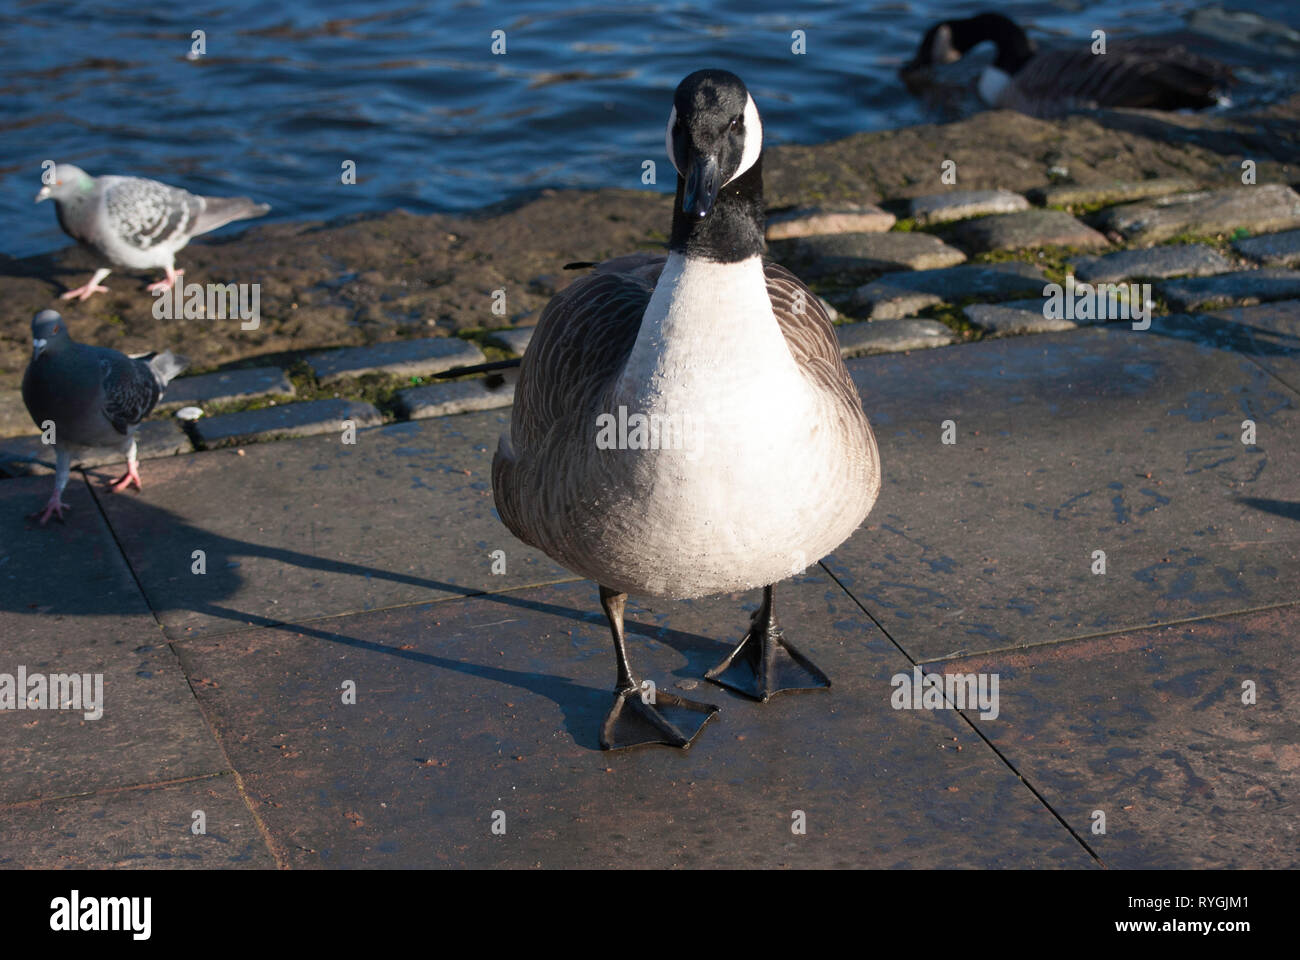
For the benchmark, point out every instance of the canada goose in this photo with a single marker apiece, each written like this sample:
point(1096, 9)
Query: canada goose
point(1132, 73)
point(135, 223)
point(751, 457)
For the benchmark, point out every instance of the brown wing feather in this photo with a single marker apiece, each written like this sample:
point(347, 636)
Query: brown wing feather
point(581, 343)
point(810, 336)
point(1129, 75)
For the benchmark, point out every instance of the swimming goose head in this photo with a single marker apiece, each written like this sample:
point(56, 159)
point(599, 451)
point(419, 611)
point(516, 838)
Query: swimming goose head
point(946, 43)
point(714, 136)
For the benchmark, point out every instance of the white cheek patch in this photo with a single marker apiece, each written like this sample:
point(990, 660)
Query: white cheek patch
point(668, 139)
point(992, 85)
point(753, 139)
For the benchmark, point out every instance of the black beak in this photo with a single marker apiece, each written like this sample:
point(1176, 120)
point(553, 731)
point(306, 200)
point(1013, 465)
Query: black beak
point(703, 181)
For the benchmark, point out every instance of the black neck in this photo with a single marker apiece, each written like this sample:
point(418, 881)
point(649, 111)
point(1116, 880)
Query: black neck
point(1014, 45)
point(733, 231)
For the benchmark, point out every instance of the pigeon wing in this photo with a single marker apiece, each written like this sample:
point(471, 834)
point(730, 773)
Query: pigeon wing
point(130, 391)
point(148, 214)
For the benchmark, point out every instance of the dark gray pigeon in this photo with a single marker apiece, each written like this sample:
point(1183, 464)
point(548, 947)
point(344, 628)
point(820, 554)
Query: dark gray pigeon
point(135, 223)
point(93, 397)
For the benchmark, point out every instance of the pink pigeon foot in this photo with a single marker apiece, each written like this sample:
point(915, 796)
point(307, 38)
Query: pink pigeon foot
point(132, 476)
point(167, 282)
point(85, 292)
point(55, 508)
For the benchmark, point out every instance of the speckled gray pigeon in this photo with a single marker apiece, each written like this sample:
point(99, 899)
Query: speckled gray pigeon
point(135, 223)
point(93, 397)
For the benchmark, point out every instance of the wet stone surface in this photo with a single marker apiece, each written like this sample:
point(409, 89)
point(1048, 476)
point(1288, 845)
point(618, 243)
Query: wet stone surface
point(1261, 208)
point(900, 294)
point(1033, 228)
point(495, 703)
point(891, 336)
point(960, 204)
point(1178, 260)
point(515, 340)
point(1112, 191)
point(1272, 249)
point(415, 358)
point(290, 420)
point(1243, 287)
point(225, 386)
point(460, 396)
point(23, 456)
point(811, 221)
point(866, 253)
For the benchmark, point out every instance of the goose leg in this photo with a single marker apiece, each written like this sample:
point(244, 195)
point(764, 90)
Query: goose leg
point(632, 721)
point(765, 662)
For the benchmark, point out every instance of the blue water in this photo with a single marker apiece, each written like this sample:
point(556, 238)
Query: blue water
point(414, 95)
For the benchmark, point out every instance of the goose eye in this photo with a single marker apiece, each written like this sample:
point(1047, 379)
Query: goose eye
point(735, 124)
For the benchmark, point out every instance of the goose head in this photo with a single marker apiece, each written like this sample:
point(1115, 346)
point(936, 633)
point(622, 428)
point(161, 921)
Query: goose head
point(714, 135)
point(948, 41)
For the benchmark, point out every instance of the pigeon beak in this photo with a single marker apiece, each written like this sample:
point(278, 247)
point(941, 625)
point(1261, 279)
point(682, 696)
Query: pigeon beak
point(43, 195)
point(38, 347)
point(702, 185)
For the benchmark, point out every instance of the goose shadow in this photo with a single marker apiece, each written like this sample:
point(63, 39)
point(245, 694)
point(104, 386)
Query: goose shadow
point(1290, 510)
point(144, 534)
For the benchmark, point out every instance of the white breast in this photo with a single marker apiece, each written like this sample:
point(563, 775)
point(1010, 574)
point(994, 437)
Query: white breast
point(761, 485)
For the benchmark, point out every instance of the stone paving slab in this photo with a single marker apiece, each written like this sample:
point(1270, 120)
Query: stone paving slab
point(897, 295)
point(1158, 263)
point(1105, 439)
point(1149, 727)
point(891, 336)
point(27, 456)
point(960, 204)
point(15, 421)
point(226, 386)
point(1272, 249)
point(494, 703)
point(315, 527)
point(515, 340)
point(414, 358)
point(69, 604)
point(1016, 318)
point(1270, 331)
point(1262, 208)
point(844, 218)
point(136, 829)
point(290, 420)
point(867, 253)
point(1113, 191)
point(1032, 228)
point(1245, 287)
point(458, 396)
